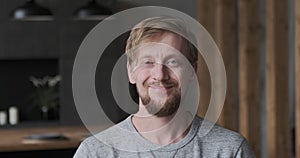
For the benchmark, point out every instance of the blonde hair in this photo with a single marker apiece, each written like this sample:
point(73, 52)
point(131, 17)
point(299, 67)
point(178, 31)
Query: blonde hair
point(157, 25)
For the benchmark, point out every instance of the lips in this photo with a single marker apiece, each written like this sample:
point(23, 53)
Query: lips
point(161, 87)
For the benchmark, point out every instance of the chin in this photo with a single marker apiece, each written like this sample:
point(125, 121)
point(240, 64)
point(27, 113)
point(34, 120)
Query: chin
point(163, 108)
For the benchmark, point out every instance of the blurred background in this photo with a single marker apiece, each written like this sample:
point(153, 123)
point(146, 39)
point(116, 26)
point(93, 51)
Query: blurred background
point(39, 39)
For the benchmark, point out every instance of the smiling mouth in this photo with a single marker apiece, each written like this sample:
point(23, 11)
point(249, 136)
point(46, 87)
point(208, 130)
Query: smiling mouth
point(159, 88)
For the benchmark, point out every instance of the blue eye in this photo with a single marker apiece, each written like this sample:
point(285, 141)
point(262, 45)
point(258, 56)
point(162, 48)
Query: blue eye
point(172, 63)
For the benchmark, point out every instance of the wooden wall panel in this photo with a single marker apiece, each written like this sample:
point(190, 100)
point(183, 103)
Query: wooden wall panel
point(249, 31)
point(226, 40)
point(205, 15)
point(277, 51)
point(297, 68)
point(218, 17)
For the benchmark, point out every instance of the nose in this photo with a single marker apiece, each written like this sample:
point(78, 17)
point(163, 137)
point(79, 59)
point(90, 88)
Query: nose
point(160, 72)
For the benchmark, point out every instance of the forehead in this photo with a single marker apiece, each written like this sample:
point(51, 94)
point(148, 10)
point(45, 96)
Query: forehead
point(169, 43)
point(168, 38)
point(157, 50)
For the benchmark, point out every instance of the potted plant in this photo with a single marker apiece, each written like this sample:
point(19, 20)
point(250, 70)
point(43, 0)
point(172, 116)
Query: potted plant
point(46, 96)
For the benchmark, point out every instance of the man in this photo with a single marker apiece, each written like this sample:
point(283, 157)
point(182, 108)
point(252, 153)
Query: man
point(161, 63)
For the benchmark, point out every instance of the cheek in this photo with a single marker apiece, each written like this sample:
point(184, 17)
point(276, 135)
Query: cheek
point(178, 75)
point(141, 77)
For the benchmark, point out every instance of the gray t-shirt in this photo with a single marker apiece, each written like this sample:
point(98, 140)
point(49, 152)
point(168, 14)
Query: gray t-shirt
point(116, 142)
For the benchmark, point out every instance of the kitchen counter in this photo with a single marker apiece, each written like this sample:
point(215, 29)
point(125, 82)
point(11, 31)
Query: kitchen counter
point(14, 140)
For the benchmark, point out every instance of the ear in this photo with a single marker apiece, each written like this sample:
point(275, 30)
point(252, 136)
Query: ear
point(194, 72)
point(195, 66)
point(130, 74)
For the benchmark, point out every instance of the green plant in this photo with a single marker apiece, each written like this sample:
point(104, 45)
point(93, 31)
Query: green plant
point(46, 92)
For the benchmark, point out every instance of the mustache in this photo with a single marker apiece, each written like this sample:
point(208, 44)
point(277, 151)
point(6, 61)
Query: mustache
point(162, 84)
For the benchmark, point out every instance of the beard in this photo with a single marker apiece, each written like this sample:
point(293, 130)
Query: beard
point(158, 106)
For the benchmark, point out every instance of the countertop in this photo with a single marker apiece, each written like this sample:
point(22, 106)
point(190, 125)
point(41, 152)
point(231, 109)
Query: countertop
point(12, 140)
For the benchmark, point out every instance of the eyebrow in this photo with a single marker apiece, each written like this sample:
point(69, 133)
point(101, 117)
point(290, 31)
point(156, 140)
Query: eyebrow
point(166, 57)
point(144, 56)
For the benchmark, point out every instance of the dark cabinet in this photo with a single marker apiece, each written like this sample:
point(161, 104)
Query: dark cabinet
point(31, 42)
point(59, 40)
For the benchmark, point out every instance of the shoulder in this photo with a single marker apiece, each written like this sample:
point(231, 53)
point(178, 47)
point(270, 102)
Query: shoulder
point(210, 132)
point(223, 140)
point(99, 145)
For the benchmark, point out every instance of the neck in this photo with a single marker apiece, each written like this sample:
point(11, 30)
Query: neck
point(162, 130)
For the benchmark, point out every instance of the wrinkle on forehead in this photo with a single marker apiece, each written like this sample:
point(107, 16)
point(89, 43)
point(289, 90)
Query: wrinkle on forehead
point(169, 38)
point(157, 50)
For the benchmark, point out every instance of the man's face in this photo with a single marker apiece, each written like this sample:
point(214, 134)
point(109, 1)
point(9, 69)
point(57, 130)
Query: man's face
point(158, 71)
